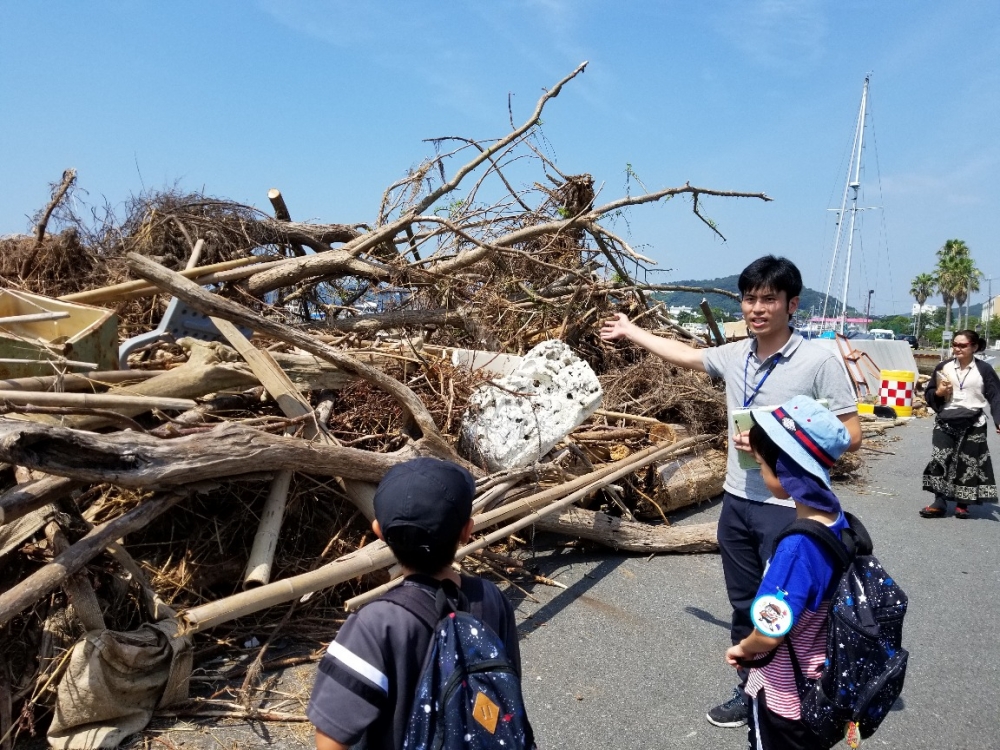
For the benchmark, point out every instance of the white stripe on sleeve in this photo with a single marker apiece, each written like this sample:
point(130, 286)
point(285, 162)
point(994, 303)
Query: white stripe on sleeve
point(356, 664)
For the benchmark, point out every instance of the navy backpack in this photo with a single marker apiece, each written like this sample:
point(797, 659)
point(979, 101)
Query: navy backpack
point(469, 694)
point(865, 663)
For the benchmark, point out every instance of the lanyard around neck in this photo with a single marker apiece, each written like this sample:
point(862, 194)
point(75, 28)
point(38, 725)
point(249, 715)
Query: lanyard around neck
point(958, 371)
point(747, 400)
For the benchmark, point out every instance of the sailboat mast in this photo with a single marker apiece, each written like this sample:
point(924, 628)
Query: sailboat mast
point(853, 180)
point(855, 187)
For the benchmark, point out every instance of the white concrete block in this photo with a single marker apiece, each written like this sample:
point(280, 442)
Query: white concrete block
point(520, 418)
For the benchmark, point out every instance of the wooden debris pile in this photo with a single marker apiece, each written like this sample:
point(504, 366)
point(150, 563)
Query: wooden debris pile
point(216, 486)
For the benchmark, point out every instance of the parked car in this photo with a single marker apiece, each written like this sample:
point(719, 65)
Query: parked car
point(911, 340)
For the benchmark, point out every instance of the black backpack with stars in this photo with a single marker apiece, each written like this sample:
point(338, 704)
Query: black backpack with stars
point(469, 695)
point(865, 663)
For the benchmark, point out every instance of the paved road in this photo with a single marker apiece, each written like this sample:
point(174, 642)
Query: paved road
point(631, 655)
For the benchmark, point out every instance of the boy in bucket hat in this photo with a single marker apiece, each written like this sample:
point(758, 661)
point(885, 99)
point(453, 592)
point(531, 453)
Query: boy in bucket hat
point(368, 677)
point(795, 444)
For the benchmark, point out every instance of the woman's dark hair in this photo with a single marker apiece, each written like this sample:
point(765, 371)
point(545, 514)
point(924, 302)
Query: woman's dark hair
point(978, 343)
point(771, 274)
point(764, 447)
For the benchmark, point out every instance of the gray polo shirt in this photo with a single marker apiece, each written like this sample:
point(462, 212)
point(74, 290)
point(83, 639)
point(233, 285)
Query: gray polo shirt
point(800, 367)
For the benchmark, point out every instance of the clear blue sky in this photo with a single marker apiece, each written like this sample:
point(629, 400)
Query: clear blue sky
point(330, 102)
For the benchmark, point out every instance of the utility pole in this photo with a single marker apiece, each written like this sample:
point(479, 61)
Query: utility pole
point(868, 309)
point(987, 319)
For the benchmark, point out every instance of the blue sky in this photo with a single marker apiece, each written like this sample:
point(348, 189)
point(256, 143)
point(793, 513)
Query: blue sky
point(331, 102)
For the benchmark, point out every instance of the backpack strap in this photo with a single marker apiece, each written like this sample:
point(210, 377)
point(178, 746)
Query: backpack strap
point(859, 535)
point(427, 607)
point(853, 541)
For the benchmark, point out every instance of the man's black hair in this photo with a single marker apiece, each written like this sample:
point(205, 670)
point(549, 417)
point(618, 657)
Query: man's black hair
point(762, 444)
point(416, 551)
point(772, 274)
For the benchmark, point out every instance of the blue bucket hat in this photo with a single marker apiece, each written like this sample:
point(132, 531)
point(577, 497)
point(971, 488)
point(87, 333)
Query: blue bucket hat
point(808, 433)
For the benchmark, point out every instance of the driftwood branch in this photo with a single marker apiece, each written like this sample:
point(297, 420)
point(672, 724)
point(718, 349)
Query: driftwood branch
point(133, 460)
point(68, 178)
point(368, 324)
point(281, 214)
point(631, 536)
point(204, 275)
point(23, 595)
point(212, 305)
point(96, 400)
point(21, 499)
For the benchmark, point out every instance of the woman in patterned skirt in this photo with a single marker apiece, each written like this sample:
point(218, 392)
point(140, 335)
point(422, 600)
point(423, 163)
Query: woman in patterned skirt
point(960, 468)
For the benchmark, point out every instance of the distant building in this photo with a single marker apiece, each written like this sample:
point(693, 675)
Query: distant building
point(698, 329)
point(991, 308)
point(678, 309)
point(925, 310)
point(735, 330)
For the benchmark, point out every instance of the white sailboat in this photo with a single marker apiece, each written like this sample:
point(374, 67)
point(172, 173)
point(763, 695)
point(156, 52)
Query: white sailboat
point(845, 230)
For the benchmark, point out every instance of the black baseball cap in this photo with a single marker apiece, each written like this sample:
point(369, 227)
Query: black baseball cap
point(424, 502)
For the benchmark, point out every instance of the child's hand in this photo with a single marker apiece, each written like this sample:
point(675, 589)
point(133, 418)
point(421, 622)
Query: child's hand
point(735, 654)
point(742, 441)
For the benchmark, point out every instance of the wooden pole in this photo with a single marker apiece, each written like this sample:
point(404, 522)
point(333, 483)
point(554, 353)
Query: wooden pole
point(70, 382)
point(545, 503)
point(720, 339)
point(21, 499)
point(32, 318)
point(96, 400)
point(202, 275)
point(281, 214)
point(377, 555)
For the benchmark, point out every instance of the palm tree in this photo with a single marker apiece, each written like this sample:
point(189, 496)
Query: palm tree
point(948, 275)
point(967, 282)
point(921, 288)
point(944, 284)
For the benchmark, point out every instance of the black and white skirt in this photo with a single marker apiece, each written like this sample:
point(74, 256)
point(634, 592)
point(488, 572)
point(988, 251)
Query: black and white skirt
point(960, 467)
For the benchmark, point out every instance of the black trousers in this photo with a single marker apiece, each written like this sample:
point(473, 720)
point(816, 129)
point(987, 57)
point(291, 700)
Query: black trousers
point(768, 731)
point(746, 534)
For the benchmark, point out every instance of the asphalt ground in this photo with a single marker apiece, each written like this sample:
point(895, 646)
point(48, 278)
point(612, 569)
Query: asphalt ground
point(631, 654)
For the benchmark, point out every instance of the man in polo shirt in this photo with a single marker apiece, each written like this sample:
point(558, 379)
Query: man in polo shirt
point(765, 370)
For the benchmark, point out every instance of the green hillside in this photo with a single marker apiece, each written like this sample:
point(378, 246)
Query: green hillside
point(809, 300)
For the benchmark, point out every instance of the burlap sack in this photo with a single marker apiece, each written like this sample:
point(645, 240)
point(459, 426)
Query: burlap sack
point(115, 680)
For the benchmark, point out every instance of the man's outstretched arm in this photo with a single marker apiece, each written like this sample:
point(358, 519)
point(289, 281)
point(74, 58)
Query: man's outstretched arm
point(674, 352)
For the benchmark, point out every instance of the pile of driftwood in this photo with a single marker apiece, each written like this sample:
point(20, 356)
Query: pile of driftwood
point(175, 504)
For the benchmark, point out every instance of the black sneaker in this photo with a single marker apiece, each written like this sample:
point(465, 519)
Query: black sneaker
point(732, 713)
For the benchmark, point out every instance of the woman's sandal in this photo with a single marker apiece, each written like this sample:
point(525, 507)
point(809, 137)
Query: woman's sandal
point(961, 512)
point(931, 512)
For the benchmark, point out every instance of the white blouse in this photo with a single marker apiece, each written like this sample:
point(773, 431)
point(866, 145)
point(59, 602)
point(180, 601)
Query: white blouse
point(967, 385)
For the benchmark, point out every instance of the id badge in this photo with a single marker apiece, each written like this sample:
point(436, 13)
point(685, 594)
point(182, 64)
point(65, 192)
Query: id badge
point(771, 614)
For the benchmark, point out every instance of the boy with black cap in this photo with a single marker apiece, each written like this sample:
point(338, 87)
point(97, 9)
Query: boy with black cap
point(367, 679)
point(795, 444)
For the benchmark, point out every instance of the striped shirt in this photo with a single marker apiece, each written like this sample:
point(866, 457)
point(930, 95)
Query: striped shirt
point(804, 572)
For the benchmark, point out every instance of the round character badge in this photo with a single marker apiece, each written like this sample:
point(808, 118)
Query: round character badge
point(771, 614)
